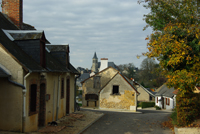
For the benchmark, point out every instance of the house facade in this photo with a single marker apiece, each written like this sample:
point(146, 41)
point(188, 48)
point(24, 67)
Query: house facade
point(37, 81)
point(146, 95)
point(165, 97)
point(109, 89)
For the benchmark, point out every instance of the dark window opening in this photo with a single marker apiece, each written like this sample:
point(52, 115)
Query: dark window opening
point(115, 89)
point(97, 82)
point(33, 98)
point(62, 88)
point(150, 97)
point(91, 97)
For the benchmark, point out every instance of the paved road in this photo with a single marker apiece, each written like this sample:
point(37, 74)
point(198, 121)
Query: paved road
point(147, 122)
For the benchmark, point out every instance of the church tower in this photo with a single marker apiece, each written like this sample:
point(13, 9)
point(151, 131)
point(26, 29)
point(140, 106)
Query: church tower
point(94, 63)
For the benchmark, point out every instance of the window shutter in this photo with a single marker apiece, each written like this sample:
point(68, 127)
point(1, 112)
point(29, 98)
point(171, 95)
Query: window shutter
point(168, 101)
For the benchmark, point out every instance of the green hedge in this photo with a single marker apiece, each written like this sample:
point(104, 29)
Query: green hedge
point(147, 104)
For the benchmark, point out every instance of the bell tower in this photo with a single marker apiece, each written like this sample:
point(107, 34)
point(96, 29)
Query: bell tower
point(94, 63)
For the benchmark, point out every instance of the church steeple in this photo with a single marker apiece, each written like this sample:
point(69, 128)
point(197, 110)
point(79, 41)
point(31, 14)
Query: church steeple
point(95, 56)
point(94, 63)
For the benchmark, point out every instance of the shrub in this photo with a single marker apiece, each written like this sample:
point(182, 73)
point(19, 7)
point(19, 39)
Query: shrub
point(174, 117)
point(157, 107)
point(187, 108)
point(147, 104)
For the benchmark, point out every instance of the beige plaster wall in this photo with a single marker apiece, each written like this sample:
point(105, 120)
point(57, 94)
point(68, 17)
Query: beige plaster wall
point(143, 96)
point(53, 88)
point(10, 94)
point(71, 105)
point(126, 98)
point(88, 84)
point(12, 66)
point(31, 122)
point(10, 106)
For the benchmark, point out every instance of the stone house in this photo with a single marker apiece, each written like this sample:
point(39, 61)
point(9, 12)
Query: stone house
point(146, 95)
point(37, 83)
point(109, 89)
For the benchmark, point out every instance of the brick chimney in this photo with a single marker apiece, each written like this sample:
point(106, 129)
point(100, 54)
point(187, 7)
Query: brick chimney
point(14, 10)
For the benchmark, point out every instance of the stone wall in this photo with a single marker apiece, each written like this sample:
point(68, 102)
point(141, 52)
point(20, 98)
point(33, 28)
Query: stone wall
point(88, 85)
point(123, 101)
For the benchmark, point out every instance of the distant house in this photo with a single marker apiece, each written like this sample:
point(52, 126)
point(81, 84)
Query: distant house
point(109, 89)
point(146, 94)
point(37, 81)
point(165, 97)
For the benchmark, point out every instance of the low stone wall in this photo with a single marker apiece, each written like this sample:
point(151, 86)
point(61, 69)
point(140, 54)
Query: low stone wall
point(187, 130)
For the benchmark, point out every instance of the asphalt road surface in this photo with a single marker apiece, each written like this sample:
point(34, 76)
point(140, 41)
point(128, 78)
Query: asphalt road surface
point(147, 122)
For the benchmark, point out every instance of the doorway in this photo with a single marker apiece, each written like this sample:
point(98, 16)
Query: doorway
point(42, 109)
point(67, 96)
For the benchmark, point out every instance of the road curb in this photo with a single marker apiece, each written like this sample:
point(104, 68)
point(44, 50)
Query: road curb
point(90, 124)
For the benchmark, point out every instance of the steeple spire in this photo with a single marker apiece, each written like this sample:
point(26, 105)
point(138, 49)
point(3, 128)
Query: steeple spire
point(95, 56)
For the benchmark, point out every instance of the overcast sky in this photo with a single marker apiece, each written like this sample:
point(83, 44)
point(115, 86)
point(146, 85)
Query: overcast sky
point(112, 28)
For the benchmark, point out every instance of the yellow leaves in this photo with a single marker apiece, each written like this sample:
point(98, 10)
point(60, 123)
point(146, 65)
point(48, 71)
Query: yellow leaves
point(197, 36)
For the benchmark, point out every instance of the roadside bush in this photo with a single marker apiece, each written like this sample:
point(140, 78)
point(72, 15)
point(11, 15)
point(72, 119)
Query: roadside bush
point(187, 108)
point(147, 104)
point(174, 117)
point(157, 107)
point(139, 104)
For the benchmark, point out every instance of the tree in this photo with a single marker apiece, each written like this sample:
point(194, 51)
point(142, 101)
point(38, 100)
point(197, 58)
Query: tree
point(176, 45)
point(149, 73)
point(128, 70)
point(175, 40)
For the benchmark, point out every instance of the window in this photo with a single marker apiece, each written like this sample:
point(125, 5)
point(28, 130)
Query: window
point(115, 89)
point(33, 98)
point(97, 82)
point(62, 88)
point(168, 101)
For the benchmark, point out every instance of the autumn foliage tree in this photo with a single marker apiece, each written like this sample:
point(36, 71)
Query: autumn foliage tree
point(175, 41)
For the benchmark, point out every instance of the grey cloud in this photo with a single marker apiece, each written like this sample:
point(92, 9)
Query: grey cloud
point(112, 28)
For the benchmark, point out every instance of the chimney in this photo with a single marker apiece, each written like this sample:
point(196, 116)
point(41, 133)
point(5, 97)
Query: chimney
point(14, 10)
point(104, 64)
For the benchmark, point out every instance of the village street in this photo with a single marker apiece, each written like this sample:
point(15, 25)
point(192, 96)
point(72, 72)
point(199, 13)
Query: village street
point(147, 122)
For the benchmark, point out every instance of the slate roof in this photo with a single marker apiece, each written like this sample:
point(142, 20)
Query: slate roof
point(165, 91)
point(84, 76)
point(3, 73)
point(110, 64)
point(95, 56)
point(12, 40)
